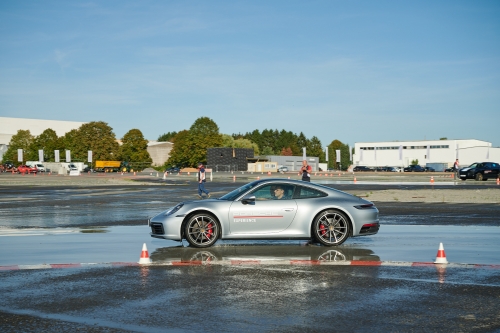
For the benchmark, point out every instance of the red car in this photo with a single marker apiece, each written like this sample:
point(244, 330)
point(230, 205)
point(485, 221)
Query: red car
point(26, 169)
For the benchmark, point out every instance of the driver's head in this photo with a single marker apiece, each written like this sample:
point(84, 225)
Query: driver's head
point(278, 190)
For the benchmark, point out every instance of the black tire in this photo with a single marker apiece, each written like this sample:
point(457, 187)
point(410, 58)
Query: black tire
point(479, 176)
point(202, 230)
point(331, 228)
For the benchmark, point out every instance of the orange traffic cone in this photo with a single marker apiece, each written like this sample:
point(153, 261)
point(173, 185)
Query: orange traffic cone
point(498, 181)
point(354, 179)
point(144, 256)
point(432, 180)
point(234, 178)
point(441, 256)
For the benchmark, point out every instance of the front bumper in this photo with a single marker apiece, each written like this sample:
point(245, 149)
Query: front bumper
point(169, 228)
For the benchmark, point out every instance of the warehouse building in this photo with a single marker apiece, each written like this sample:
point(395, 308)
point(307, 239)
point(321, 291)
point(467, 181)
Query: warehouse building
point(10, 126)
point(159, 151)
point(439, 154)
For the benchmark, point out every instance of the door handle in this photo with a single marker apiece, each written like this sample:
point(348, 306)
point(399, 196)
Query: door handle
point(288, 209)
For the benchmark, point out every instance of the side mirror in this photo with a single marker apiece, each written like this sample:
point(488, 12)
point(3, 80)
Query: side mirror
point(248, 199)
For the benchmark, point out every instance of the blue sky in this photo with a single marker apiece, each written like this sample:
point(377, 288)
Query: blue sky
point(348, 70)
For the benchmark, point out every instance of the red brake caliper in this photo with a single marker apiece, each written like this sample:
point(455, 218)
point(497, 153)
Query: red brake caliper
point(323, 229)
point(210, 230)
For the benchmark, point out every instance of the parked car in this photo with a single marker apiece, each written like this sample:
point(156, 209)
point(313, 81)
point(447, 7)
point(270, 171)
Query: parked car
point(26, 169)
point(361, 168)
point(282, 169)
point(429, 169)
point(173, 170)
point(452, 169)
point(393, 169)
point(414, 168)
point(269, 209)
point(480, 171)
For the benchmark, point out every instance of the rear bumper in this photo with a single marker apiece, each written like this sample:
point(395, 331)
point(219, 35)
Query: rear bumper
point(369, 229)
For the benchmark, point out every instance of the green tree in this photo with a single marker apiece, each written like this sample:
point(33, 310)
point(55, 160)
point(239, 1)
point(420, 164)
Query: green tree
point(97, 136)
point(230, 141)
point(134, 149)
point(179, 155)
point(315, 149)
point(69, 141)
point(167, 136)
point(344, 155)
point(227, 141)
point(245, 143)
point(21, 140)
point(286, 140)
point(267, 151)
point(268, 139)
point(203, 134)
point(48, 141)
point(414, 162)
point(303, 142)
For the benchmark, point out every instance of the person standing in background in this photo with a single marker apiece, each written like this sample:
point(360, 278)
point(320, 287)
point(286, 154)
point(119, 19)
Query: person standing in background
point(201, 181)
point(305, 171)
point(456, 166)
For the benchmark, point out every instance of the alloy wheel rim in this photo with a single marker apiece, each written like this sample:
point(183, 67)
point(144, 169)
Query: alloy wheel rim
point(202, 230)
point(332, 228)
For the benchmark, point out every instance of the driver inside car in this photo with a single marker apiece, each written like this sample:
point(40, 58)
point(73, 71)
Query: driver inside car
point(279, 193)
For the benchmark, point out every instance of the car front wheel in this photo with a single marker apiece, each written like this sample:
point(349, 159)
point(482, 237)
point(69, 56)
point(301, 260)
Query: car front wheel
point(479, 176)
point(201, 230)
point(331, 228)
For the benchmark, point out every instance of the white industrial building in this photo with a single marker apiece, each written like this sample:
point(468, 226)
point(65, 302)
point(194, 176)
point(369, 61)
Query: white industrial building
point(159, 151)
point(10, 126)
point(439, 154)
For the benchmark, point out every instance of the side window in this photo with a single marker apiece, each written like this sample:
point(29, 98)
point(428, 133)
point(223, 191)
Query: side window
point(306, 192)
point(274, 192)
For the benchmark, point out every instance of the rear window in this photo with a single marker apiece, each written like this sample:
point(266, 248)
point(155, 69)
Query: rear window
point(307, 192)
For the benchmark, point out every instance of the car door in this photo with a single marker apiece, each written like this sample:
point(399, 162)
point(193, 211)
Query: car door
point(490, 171)
point(495, 169)
point(266, 214)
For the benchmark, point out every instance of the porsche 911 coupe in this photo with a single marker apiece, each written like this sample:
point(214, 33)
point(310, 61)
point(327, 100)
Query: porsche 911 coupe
point(271, 209)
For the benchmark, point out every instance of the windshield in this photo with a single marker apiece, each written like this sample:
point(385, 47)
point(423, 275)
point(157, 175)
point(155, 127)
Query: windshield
point(239, 191)
point(474, 165)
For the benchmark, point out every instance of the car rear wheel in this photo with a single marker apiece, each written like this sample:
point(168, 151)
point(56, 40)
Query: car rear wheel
point(201, 230)
point(479, 176)
point(331, 228)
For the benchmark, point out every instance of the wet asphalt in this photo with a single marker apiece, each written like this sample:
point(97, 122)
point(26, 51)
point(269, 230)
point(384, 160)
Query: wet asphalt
point(251, 299)
point(270, 298)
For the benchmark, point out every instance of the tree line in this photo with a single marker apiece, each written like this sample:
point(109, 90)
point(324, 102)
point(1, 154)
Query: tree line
point(96, 136)
point(190, 145)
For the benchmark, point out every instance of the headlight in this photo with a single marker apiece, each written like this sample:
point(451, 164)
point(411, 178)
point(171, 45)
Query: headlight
point(174, 209)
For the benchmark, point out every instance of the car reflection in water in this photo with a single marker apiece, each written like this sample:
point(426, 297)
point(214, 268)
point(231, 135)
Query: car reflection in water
point(262, 252)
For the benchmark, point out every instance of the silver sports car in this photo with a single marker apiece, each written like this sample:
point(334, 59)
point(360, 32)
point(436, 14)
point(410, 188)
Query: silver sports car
point(269, 209)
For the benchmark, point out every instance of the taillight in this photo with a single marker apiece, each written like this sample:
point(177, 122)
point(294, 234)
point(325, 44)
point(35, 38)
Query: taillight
point(366, 206)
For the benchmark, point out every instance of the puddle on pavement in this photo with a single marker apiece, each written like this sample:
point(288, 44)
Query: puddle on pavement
point(407, 243)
